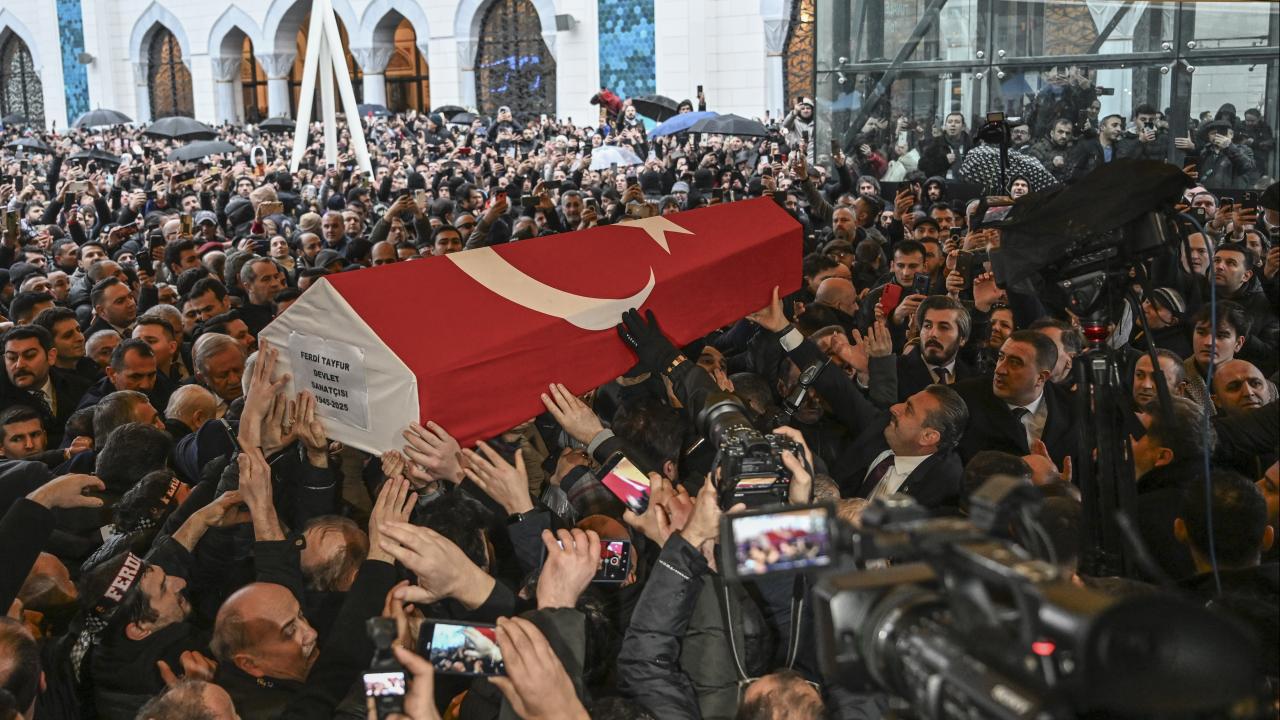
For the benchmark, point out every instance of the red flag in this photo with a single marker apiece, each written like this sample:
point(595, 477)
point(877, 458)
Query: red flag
point(472, 339)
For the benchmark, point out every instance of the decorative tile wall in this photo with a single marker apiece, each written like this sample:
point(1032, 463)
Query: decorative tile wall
point(627, 65)
point(75, 75)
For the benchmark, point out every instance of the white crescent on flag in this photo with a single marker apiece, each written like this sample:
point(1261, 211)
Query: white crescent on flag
point(487, 267)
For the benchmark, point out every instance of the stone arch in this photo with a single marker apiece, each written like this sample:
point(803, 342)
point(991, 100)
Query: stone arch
point(470, 14)
point(284, 19)
point(143, 30)
point(378, 25)
point(9, 23)
point(233, 19)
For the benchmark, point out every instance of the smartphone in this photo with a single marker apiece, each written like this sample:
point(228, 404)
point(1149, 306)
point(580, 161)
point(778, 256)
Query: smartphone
point(550, 184)
point(699, 89)
point(773, 542)
point(964, 266)
point(461, 648)
point(1199, 214)
point(18, 182)
point(11, 223)
point(615, 562)
point(387, 688)
point(184, 178)
point(1249, 200)
point(890, 297)
point(464, 151)
point(76, 187)
point(1225, 201)
point(420, 198)
point(627, 483)
point(528, 202)
point(186, 227)
point(272, 208)
point(835, 147)
point(920, 286)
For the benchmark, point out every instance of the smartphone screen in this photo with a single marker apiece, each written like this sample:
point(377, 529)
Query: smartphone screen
point(921, 284)
point(790, 540)
point(465, 649)
point(627, 483)
point(384, 684)
point(615, 561)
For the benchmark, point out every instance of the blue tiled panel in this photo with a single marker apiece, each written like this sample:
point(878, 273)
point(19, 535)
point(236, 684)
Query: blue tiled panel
point(626, 47)
point(71, 38)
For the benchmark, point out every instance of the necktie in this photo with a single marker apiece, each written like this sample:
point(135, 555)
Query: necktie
point(1020, 414)
point(46, 403)
point(943, 375)
point(875, 476)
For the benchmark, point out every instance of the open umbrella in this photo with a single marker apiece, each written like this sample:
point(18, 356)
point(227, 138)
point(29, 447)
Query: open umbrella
point(679, 123)
point(657, 107)
point(463, 118)
point(14, 119)
point(730, 125)
point(609, 155)
point(30, 145)
point(449, 110)
point(101, 117)
point(278, 124)
point(982, 165)
point(202, 148)
point(98, 155)
point(375, 110)
point(180, 128)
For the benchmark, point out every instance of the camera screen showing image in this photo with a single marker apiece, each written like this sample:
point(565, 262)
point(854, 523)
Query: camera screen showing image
point(458, 649)
point(627, 482)
point(786, 541)
point(615, 561)
point(384, 684)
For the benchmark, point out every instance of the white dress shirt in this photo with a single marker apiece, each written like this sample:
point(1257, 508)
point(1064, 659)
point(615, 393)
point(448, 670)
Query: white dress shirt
point(1034, 421)
point(896, 477)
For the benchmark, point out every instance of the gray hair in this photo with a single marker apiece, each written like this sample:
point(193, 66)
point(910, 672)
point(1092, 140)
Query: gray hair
point(247, 275)
point(188, 400)
point(211, 344)
point(97, 339)
point(171, 316)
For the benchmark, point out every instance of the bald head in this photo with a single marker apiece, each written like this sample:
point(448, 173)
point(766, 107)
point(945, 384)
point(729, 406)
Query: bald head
point(261, 630)
point(192, 405)
point(838, 293)
point(1238, 386)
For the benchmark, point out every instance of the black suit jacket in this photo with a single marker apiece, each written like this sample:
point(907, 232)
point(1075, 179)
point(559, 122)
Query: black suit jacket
point(935, 483)
point(913, 374)
point(993, 427)
point(97, 325)
point(68, 388)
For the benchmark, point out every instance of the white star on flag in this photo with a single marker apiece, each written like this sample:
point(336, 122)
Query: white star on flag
point(657, 227)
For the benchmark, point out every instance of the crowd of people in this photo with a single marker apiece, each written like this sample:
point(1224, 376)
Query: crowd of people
point(182, 539)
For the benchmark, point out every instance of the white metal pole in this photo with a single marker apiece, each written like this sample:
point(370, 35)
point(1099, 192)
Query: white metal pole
point(315, 37)
point(327, 113)
point(348, 94)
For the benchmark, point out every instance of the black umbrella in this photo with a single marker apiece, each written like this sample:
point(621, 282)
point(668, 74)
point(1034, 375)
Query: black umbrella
point(30, 145)
point(278, 124)
point(463, 118)
point(180, 128)
point(449, 110)
point(101, 117)
point(202, 148)
point(14, 119)
point(730, 125)
point(982, 165)
point(375, 110)
point(98, 155)
point(656, 107)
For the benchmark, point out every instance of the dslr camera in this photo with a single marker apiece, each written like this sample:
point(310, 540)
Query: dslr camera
point(750, 462)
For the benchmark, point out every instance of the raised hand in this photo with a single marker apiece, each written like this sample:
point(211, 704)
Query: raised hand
point(570, 565)
point(536, 684)
point(310, 430)
point(435, 451)
point(574, 415)
point(441, 567)
point(394, 504)
point(770, 317)
point(68, 491)
point(655, 521)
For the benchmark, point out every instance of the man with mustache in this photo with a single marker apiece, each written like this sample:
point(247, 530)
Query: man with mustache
point(944, 328)
point(31, 379)
point(1238, 385)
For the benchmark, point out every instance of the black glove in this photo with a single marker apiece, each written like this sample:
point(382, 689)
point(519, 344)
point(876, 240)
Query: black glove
point(642, 335)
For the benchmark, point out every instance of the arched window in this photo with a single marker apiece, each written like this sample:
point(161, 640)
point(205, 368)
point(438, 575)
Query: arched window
point(408, 86)
point(20, 92)
point(170, 78)
point(513, 66)
point(799, 52)
point(253, 84)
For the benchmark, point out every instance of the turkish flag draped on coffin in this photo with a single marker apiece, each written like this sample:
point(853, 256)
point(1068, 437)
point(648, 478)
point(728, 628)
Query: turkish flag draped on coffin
point(470, 340)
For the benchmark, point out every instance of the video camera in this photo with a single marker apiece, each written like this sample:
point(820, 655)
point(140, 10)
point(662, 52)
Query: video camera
point(966, 624)
point(750, 462)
